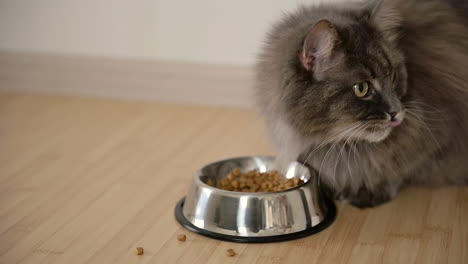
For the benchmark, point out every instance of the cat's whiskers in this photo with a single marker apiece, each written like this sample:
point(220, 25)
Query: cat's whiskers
point(358, 129)
point(419, 120)
point(333, 147)
point(424, 125)
point(420, 109)
point(427, 111)
point(374, 148)
point(423, 105)
point(353, 148)
point(328, 140)
point(427, 115)
point(325, 157)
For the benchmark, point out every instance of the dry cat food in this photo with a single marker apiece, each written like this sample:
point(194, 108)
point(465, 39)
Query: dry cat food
point(254, 181)
point(230, 252)
point(139, 251)
point(181, 237)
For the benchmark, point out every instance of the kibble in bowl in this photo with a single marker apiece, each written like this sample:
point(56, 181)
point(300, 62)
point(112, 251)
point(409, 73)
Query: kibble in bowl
point(255, 181)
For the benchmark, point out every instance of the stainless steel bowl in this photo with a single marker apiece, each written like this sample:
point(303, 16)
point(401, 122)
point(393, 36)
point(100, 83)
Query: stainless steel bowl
point(255, 217)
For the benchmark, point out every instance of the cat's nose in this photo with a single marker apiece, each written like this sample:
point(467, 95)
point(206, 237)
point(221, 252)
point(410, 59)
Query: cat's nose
point(393, 121)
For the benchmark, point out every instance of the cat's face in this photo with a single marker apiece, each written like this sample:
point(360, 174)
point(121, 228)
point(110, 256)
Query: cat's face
point(351, 82)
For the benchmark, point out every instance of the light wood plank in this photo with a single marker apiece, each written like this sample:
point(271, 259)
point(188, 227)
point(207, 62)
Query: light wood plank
point(458, 247)
point(401, 250)
point(339, 246)
point(434, 247)
point(366, 253)
point(409, 213)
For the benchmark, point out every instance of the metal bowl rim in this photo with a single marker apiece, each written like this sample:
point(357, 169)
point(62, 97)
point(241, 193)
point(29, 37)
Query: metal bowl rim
point(199, 182)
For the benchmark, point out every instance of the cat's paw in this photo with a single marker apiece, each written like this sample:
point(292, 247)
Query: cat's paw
point(366, 198)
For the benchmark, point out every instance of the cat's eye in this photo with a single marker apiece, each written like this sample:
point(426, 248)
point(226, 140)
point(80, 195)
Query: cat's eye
point(361, 90)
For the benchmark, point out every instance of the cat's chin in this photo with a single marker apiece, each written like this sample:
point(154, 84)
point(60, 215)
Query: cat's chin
point(376, 135)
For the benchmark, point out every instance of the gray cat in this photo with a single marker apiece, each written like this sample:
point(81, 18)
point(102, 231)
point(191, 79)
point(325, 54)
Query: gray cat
point(374, 98)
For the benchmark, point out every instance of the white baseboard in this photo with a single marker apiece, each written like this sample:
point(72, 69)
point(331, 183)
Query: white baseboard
point(170, 82)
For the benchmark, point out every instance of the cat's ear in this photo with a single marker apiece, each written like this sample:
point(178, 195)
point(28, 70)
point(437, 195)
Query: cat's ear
point(371, 8)
point(384, 15)
point(319, 45)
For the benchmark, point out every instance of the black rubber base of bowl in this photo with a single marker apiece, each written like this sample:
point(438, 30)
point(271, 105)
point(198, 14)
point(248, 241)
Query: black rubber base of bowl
point(265, 239)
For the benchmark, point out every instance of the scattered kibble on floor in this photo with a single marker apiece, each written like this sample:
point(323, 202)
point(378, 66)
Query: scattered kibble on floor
point(181, 237)
point(139, 251)
point(230, 252)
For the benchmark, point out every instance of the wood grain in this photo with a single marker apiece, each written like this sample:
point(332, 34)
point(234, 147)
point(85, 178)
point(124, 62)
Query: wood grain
point(86, 180)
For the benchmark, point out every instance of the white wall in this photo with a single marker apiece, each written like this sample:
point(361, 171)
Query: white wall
point(203, 31)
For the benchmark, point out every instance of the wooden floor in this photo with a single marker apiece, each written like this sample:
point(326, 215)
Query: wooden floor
point(87, 180)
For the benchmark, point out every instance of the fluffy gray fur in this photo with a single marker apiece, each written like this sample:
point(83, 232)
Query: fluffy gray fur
point(414, 56)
